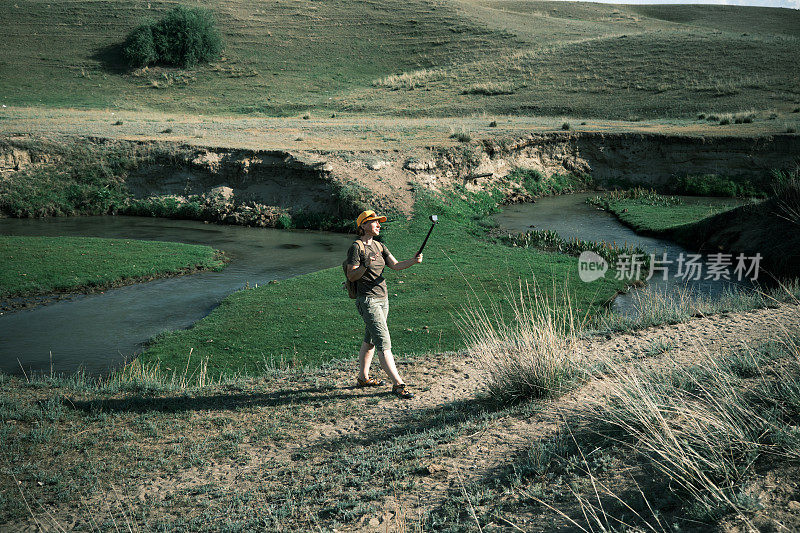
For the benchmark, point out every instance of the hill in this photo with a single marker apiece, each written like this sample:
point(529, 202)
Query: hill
point(415, 57)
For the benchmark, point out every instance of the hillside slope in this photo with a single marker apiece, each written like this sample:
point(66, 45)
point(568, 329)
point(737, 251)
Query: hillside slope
point(290, 57)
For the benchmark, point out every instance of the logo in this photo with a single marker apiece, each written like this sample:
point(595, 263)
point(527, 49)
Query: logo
point(591, 266)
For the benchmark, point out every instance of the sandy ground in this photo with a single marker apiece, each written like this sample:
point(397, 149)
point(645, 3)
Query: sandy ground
point(330, 134)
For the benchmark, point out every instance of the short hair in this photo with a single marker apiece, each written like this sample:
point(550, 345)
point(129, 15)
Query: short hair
point(360, 231)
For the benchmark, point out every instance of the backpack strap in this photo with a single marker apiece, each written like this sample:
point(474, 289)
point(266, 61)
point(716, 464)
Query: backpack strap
point(361, 247)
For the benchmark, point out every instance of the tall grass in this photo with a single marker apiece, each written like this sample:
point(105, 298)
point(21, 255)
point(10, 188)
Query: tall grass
point(134, 376)
point(704, 427)
point(409, 80)
point(700, 427)
point(655, 307)
point(533, 354)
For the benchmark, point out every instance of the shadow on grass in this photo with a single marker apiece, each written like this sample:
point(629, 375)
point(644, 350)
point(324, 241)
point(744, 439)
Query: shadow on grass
point(111, 59)
point(579, 479)
point(217, 402)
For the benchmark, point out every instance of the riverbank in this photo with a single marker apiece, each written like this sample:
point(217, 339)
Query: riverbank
point(304, 449)
point(38, 269)
point(318, 323)
point(765, 227)
point(650, 213)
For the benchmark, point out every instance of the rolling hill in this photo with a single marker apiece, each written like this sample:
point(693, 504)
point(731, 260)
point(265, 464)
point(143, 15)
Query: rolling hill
point(414, 57)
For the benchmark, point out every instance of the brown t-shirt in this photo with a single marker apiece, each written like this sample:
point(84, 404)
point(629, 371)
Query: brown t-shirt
point(372, 283)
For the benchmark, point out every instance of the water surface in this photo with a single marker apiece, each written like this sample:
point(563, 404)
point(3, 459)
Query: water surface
point(572, 218)
point(99, 331)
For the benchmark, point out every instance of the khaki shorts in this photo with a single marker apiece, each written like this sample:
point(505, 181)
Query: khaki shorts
point(374, 312)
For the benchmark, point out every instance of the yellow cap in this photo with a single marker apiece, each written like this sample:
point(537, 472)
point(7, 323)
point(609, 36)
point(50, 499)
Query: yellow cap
point(366, 216)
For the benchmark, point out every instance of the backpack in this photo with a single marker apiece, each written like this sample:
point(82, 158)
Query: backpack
point(350, 286)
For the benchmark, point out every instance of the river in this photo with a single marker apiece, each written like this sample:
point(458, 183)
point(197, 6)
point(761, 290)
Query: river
point(572, 218)
point(99, 331)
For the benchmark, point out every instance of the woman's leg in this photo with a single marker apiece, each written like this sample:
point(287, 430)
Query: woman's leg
point(365, 359)
point(385, 348)
point(387, 363)
point(374, 313)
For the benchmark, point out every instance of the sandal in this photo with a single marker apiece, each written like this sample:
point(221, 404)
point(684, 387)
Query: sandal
point(401, 391)
point(369, 382)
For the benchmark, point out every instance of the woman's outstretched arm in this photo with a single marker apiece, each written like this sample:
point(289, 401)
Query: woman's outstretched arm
point(394, 264)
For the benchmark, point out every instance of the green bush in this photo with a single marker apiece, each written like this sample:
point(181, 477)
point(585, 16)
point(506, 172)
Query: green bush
point(139, 49)
point(538, 184)
point(185, 37)
point(716, 185)
point(165, 207)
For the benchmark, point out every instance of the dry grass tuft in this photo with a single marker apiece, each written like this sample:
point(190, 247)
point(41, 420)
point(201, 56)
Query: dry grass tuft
point(703, 427)
point(533, 355)
point(409, 80)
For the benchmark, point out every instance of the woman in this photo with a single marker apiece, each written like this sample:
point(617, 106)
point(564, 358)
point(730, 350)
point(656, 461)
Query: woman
point(366, 260)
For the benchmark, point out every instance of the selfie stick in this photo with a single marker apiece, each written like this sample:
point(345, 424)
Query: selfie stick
point(434, 220)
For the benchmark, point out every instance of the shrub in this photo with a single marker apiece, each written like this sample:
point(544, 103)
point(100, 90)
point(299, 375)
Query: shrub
point(462, 136)
point(139, 49)
point(565, 126)
point(184, 37)
point(716, 185)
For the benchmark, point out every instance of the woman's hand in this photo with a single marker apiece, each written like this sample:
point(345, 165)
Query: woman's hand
point(418, 258)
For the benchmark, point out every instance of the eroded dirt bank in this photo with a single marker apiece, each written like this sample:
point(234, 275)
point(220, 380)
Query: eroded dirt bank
point(256, 187)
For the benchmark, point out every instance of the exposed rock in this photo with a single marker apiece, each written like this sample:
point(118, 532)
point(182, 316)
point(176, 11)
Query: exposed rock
point(208, 160)
point(420, 165)
point(14, 159)
point(221, 193)
point(377, 164)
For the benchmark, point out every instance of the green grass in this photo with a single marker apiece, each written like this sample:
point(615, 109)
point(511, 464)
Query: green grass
point(42, 265)
point(70, 178)
point(656, 213)
point(309, 319)
point(537, 184)
point(414, 57)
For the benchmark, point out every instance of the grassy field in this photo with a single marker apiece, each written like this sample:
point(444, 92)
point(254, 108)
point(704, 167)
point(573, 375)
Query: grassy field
point(443, 58)
point(654, 213)
point(309, 320)
point(42, 265)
